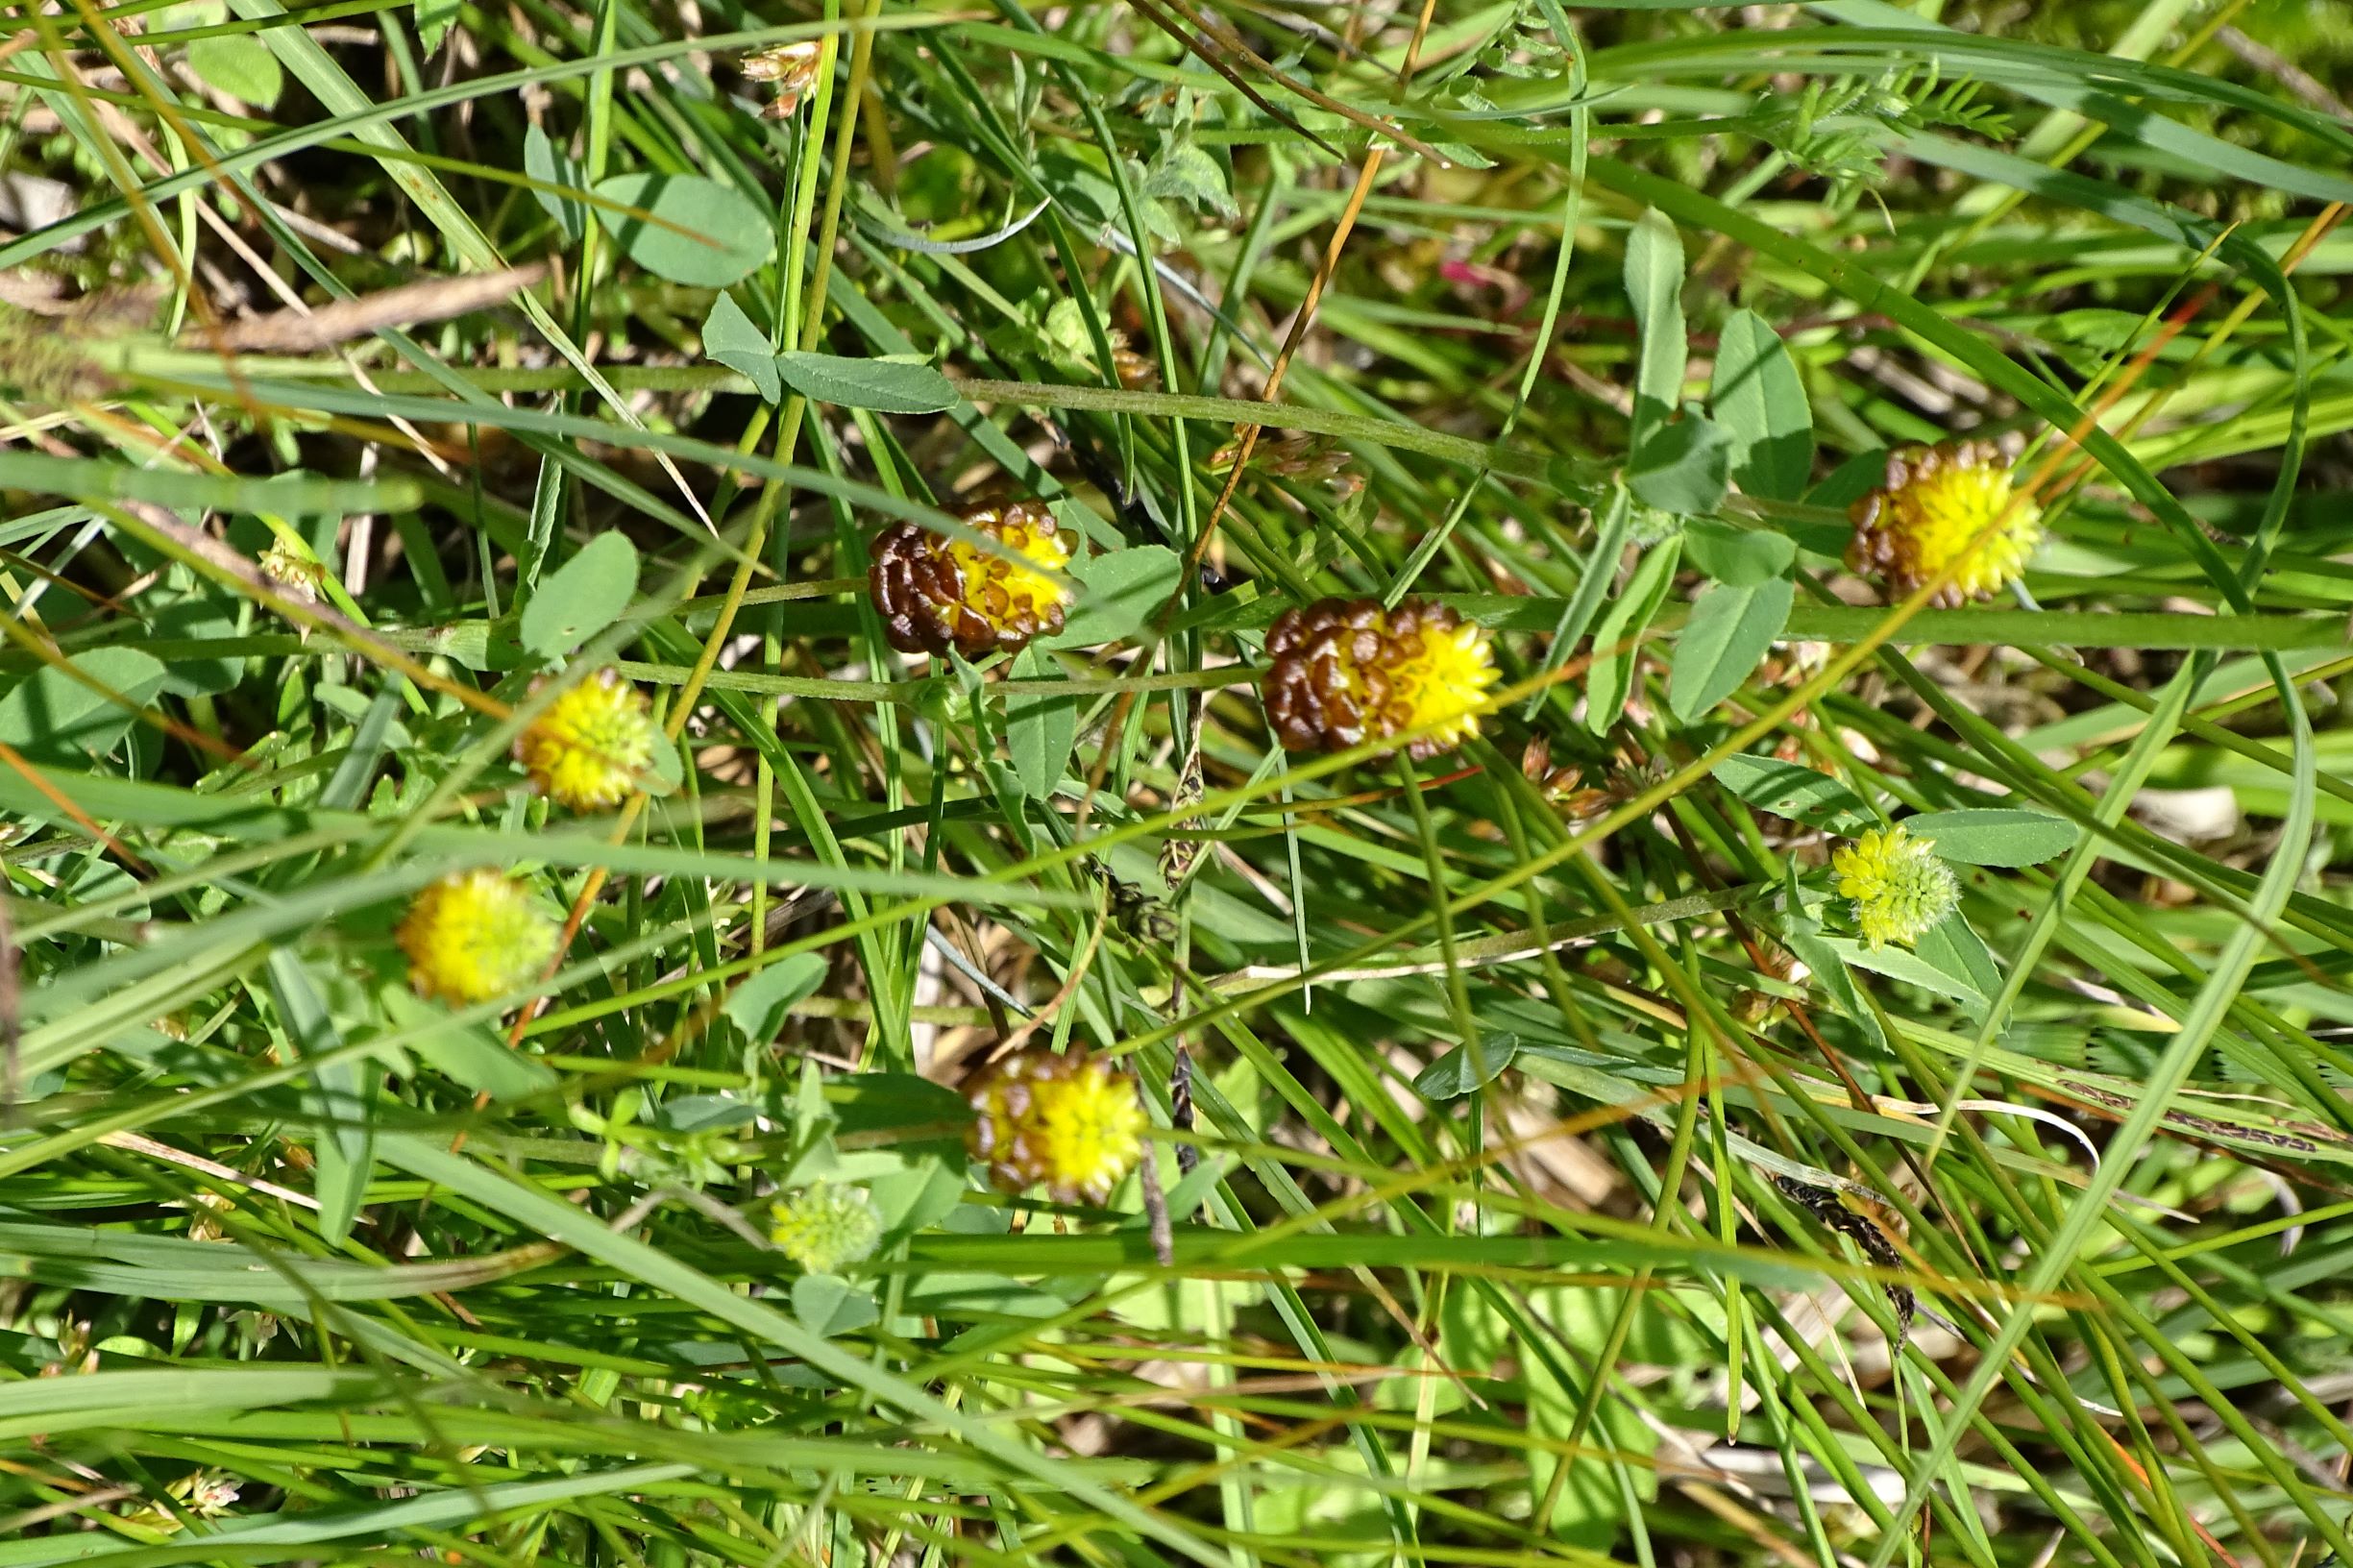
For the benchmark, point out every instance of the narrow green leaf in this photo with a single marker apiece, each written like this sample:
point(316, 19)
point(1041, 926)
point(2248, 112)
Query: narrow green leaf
point(341, 1095)
point(1039, 731)
point(1612, 675)
point(729, 338)
point(469, 1055)
point(1955, 949)
point(1994, 836)
point(1797, 792)
point(761, 1004)
point(284, 495)
point(580, 598)
point(1118, 590)
point(830, 1306)
point(1730, 631)
point(887, 386)
point(1655, 283)
point(1457, 1072)
point(1742, 558)
point(1904, 965)
point(50, 717)
point(685, 227)
point(239, 65)
point(1683, 467)
point(544, 163)
point(1760, 401)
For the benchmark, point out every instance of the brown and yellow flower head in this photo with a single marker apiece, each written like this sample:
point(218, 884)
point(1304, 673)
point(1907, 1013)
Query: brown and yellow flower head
point(934, 594)
point(1069, 1123)
point(1900, 885)
point(592, 745)
point(1344, 671)
point(1934, 511)
point(474, 936)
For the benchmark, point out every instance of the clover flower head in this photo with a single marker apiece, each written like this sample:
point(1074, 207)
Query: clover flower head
point(935, 593)
point(1344, 671)
point(592, 745)
point(474, 936)
point(1952, 505)
point(1901, 886)
point(825, 1228)
point(1070, 1123)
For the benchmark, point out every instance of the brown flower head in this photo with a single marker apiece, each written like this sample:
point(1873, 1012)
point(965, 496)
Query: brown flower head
point(1949, 506)
point(792, 66)
point(1344, 671)
point(934, 594)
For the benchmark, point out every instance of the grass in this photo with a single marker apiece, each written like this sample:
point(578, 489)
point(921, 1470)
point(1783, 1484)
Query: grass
point(1548, 1172)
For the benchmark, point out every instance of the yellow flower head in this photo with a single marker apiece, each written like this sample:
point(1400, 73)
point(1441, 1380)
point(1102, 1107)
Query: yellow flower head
point(1069, 1123)
point(1900, 886)
point(474, 936)
point(1006, 593)
point(1949, 506)
point(1443, 682)
point(1342, 671)
point(934, 593)
point(592, 745)
point(825, 1228)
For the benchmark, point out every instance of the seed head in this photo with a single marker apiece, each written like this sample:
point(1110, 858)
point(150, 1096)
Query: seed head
point(1344, 671)
point(1935, 509)
point(826, 1228)
point(935, 593)
point(474, 936)
point(588, 749)
point(792, 66)
point(1900, 886)
point(1070, 1123)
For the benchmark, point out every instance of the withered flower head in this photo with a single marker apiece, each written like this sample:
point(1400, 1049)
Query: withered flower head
point(792, 66)
point(934, 594)
point(1310, 459)
point(1344, 671)
point(1949, 506)
point(1069, 1123)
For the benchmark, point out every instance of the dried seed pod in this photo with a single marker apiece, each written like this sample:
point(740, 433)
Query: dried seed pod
point(1344, 671)
point(792, 68)
point(934, 594)
point(1069, 1123)
point(1934, 511)
point(1136, 371)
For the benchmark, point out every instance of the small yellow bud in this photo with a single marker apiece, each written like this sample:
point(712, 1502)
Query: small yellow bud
point(1900, 886)
point(826, 1228)
point(474, 936)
